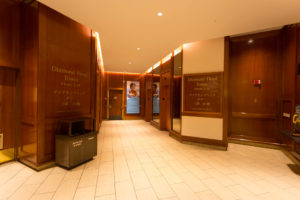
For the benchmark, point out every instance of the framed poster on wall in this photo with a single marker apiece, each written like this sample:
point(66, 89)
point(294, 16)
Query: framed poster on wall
point(155, 98)
point(133, 97)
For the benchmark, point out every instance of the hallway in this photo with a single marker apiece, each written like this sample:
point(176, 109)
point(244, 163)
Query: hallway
point(137, 161)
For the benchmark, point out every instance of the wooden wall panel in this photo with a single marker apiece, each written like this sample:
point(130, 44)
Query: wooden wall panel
point(165, 95)
point(297, 92)
point(148, 97)
point(289, 51)
point(105, 95)
point(253, 109)
point(66, 76)
point(142, 95)
point(28, 76)
point(10, 33)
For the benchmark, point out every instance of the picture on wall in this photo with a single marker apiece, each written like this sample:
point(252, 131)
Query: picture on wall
point(155, 89)
point(133, 97)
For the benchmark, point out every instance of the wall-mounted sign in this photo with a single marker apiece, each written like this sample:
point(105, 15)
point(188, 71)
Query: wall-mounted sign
point(133, 97)
point(202, 94)
point(155, 97)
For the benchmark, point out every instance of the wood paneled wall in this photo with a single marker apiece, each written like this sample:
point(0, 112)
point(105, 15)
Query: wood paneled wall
point(8, 106)
point(118, 81)
point(29, 82)
point(10, 33)
point(254, 109)
point(166, 77)
point(60, 78)
point(298, 67)
point(148, 97)
point(289, 63)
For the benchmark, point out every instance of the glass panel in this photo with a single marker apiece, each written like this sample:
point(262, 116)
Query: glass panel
point(7, 114)
point(155, 95)
point(176, 93)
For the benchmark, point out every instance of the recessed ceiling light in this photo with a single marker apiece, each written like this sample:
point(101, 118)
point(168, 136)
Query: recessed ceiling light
point(129, 63)
point(250, 41)
point(159, 14)
point(138, 49)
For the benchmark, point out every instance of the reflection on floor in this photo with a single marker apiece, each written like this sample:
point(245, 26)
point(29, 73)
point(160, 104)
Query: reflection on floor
point(176, 125)
point(6, 155)
point(137, 161)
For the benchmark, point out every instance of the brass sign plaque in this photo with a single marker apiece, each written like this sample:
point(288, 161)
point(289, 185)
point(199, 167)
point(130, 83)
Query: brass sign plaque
point(202, 94)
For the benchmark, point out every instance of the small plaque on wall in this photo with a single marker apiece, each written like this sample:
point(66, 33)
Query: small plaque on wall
point(202, 94)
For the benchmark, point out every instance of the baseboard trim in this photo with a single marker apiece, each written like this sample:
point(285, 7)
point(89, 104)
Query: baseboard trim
point(254, 143)
point(155, 124)
point(175, 135)
point(38, 167)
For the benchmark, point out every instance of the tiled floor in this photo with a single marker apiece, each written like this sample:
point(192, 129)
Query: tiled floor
point(136, 161)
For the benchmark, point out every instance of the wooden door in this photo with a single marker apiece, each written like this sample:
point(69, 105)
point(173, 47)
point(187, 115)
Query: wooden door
point(165, 103)
point(254, 108)
point(8, 120)
point(115, 104)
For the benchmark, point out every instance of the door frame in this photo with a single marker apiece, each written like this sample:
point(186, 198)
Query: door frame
point(16, 110)
point(122, 106)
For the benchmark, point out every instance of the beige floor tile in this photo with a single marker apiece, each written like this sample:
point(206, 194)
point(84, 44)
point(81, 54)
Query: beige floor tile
point(51, 183)
point(151, 170)
point(66, 190)
point(242, 192)
point(200, 173)
point(140, 180)
point(9, 172)
point(150, 161)
point(24, 192)
point(121, 173)
point(125, 191)
point(38, 177)
point(146, 194)
point(221, 178)
point(105, 185)
point(106, 197)
point(106, 168)
point(73, 174)
point(170, 175)
point(193, 182)
point(161, 187)
point(88, 178)
point(208, 195)
point(58, 170)
point(134, 165)
point(184, 192)
point(11, 186)
point(86, 193)
point(159, 162)
point(223, 192)
point(46, 196)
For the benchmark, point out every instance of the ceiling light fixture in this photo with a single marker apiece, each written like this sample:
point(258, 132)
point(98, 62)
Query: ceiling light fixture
point(168, 57)
point(129, 63)
point(250, 41)
point(159, 14)
point(156, 65)
point(149, 70)
point(178, 50)
point(138, 48)
point(99, 51)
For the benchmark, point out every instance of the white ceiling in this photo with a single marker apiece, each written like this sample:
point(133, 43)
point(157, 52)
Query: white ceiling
point(124, 25)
